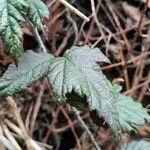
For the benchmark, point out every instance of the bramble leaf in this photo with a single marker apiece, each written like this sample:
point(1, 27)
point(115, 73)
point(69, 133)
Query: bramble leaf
point(136, 145)
point(32, 66)
point(131, 114)
point(77, 79)
point(37, 11)
point(10, 29)
point(73, 71)
point(79, 72)
point(12, 14)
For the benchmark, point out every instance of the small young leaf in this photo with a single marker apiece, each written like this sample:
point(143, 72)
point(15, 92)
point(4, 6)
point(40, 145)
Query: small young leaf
point(31, 68)
point(131, 114)
point(136, 145)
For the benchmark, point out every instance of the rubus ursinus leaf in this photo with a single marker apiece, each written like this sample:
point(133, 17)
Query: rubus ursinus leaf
point(12, 14)
point(10, 29)
point(77, 71)
point(136, 144)
point(37, 11)
point(131, 113)
point(32, 66)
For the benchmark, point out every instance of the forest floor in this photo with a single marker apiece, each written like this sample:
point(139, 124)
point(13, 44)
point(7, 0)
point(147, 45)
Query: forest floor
point(121, 29)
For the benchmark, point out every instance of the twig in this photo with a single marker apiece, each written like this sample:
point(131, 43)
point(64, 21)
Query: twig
point(142, 93)
point(138, 86)
point(64, 42)
point(48, 147)
point(117, 33)
point(76, 11)
point(30, 143)
point(138, 28)
point(110, 6)
point(29, 113)
point(62, 129)
point(10, 137)
point(18, 133)
point(125, 40)
point(125, 70)
point(71, 126)
point(86, 128)
point(36, 108)
point(87, 37)
point(39, 40)
point(74, 24)
point(6, 142)
point(55, 116)
point(128, 62)
point(13, 127)
point(16, 112)
point(100, 25)
point(50, 3)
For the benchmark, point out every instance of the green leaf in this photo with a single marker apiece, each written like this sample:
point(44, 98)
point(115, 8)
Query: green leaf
point(73, 71)
point(131, 114)
point(12, 14)
point(136, 145)
point(32, 66)
point(10, 29)
point(37, 11)
point(77, 79)
point(77, 71)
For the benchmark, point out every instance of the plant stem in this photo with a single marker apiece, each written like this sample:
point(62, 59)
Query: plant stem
point(39, 40)
point(76, 11)
point(86, 128)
